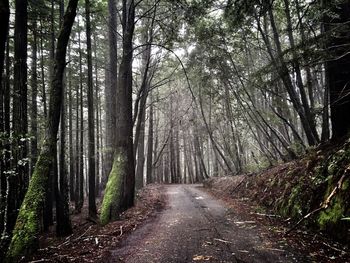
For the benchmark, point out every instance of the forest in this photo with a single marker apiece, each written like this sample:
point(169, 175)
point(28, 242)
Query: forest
point(104, 102)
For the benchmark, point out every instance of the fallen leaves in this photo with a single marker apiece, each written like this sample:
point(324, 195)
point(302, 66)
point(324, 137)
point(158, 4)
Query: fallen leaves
point(89, 242)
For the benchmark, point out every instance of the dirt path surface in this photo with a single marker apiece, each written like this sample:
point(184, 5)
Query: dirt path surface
point(196, 227)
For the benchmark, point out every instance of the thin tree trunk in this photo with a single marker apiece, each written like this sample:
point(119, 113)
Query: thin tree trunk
point(81, 150)
point(91, 125)
point(43, 86)
point(4, 21)
point(140, 154)
point(98, 133)
point(77, 151)
point(70, 138)
point(149, 176)
point(34, 108)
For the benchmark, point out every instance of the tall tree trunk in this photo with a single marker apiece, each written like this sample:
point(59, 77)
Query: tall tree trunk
point(26, 232)
point(119, 194)
point(140, 154)
point(91, 125)
point(98, 133)
point(70, 137)
point(111, 88)
point(42, 71)
point(64, 226)
point(338, 69)
point(4, 21)
point(77, 151)
point(34, 108)
point(81, 150)
point(149, 168)
point(17, 184)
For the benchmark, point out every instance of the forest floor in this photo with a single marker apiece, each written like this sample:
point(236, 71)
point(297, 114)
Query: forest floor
point(189, 223)
point(89, 241)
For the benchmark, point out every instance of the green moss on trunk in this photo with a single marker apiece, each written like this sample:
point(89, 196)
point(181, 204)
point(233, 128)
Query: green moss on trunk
point(25, 235)
point(111, 201)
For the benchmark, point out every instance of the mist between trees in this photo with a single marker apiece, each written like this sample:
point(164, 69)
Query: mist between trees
point(157, 91)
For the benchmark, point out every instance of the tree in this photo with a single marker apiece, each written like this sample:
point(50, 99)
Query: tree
point(91, 125)
point(119, 193)
point(18, 181)
point(338, 68)
point(110, 88)
point(25, 234)
point(4, 21)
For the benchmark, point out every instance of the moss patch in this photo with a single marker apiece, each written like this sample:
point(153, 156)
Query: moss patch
point(297, 188)
point(25, 235)
point(111, 200)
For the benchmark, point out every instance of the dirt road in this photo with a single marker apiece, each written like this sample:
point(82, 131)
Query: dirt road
point(195, 227)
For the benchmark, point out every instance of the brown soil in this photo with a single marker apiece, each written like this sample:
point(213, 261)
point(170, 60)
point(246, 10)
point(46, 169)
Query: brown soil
point(90, 241)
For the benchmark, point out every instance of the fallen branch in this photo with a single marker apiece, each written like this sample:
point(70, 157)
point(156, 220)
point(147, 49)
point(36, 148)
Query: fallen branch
point(221, 240)
point(325, 204)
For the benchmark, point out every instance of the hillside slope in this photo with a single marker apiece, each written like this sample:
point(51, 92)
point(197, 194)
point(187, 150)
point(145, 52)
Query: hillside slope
point(312, 191)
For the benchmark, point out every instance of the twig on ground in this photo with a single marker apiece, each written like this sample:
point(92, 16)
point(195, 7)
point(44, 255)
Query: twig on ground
point(121, 231)
point(267, 215)
point(221, 240)
point(335, 248)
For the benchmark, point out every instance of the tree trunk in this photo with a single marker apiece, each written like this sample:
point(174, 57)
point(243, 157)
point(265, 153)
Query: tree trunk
point(338, 70)
point(149, 176)
point(81, 150)
point(70, 138)
point(119, 194)
point(34, 108)
point(110, 88)
point(17, 183)
point(64, 226)
point(42, 73)
point(4, 21)
point(98, 133)
point(77, 151)
point(140, 153)
point(91, 125)
point(26, 232)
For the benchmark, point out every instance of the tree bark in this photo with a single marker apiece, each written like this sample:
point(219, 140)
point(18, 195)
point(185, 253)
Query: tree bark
point(91, 124)
point(149, 169)
point(26, 232)
point(17, 183)
point(81, 149)
point(4, 21)
point(34, 108)
point(110, 88)
point(119, 194)
point(338, 69)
